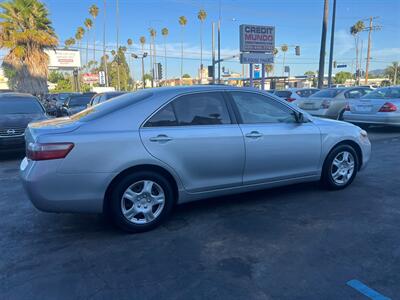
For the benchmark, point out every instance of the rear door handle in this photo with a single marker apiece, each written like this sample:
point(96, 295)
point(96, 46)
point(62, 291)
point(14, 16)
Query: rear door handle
point(253, 135)
point(160, 138)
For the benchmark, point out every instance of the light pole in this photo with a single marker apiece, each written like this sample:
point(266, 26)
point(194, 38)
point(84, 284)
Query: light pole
point(332, 44)
point(323, 44)
point(142, 57)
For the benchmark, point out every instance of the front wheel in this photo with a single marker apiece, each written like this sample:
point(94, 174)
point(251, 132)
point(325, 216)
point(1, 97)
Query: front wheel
point(340, 168)
point(141, 201)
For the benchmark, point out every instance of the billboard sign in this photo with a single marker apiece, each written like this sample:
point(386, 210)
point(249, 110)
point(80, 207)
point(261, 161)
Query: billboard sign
point(90, 78)
point(256, 58)
point(60, 58)
point(256, 38)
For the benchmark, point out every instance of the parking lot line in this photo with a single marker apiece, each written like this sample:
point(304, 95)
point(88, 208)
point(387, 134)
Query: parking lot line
point(367, 291)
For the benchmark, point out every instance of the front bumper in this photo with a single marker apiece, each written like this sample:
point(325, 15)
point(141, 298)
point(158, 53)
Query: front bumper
point(52, 191)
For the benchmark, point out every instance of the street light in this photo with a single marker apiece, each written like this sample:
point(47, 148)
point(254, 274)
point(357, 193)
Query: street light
point(142, 57)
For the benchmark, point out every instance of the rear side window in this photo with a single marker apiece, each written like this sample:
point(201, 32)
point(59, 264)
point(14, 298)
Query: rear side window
point(327, 93)
point(195, 109)
point(283, 94)
point(353, 94)
point(306, 93)
point(164, 117)
point(201, 109)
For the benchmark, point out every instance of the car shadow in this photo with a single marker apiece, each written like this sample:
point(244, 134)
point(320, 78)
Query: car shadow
point(12, 155)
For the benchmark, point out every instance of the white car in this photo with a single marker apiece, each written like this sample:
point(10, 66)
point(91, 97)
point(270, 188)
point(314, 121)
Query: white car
point(292, 95)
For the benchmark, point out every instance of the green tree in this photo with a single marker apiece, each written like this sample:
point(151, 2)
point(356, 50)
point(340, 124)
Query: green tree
point(94, 12)
point(25, 30)
point(69, 42)
point(124, 78)
point(341, 77)
point(182, 21)
point(64, 85)
point(201, 15)
point(165, 33)
point(80, 32)
point(55, 76)
point(268, 69)
point(186, 76)
point(355, 30)
point(88, 24)
point(393, 72)
point(309, 73)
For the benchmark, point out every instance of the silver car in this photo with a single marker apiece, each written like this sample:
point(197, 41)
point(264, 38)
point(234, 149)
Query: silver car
point(331, 102)
point(382, 107)
point(294, 95)
point(138, 155)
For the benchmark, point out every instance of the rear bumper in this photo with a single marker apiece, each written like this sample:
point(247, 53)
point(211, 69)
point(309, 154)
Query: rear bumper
point(51, 191)
point(379, 119)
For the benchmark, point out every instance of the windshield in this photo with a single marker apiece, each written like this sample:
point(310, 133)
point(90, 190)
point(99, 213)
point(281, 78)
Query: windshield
point(328, 93)
point(79, 101)
point(385, 93)
point(20, 106)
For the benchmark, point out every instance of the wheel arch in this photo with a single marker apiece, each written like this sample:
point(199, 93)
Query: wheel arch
point(351, 143)
point(144, 167)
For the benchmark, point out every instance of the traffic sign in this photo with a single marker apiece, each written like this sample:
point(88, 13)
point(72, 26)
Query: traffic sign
point(341, 66)
point(102, 77)
point(256, 58)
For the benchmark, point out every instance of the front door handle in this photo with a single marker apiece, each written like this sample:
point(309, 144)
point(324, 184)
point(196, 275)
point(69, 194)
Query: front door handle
point(160, 138)
point(254, 135)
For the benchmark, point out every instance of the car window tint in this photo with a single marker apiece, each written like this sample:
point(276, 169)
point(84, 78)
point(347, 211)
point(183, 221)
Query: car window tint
point(79, 101)
point(201, 109)
point(20, 106)
point(394, 93)
point(255, 108)
point(283, 94)
point(353, 94)
point(164, 117)
point(326, 93)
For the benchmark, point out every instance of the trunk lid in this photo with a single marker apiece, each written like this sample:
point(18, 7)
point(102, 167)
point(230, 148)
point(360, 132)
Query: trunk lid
point(312, 103)
point(369, 106)
point(53, 126)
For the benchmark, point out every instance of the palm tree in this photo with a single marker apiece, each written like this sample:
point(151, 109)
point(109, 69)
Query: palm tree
point(88, 24)
point(284, 49)
point(69, 42)
point(201, 15)
point(80, 32)
point(164, 33)
point(182, 21)
point(142, 41)
point(152, 50)
point(355, 32)
point(94, 12)
point(26, 31)
point(276, 51)
point(268, 69)
point(130, 43)
point(393, 72)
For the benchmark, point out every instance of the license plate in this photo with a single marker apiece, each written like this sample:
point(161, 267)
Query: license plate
point(364, 108)
point(308, 105)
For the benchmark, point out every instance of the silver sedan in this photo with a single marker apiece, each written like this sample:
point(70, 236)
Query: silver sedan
point(138, 155)
point(381, 107)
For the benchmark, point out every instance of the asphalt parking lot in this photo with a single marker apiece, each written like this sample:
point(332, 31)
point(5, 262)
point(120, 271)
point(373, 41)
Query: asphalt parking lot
point(297, 242)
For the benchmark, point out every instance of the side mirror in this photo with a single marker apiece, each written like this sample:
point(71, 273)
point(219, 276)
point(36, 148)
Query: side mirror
point(299, 117)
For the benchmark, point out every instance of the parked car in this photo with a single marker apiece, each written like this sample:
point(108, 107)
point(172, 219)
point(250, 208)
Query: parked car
point(137, 156)
point(331, 102)
point(382, 106)
point(61, 98)
point(294, 94)
point(102, 97)
point(74, 104)
point(16, 111)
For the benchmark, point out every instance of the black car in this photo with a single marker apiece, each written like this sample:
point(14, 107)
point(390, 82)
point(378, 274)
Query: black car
point(60, 100)
point(16, 111)
point(74, 104)
point(102, 97)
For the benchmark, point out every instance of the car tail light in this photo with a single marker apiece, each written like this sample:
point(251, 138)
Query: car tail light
point(325, 104)
point(388, 107)
point(347, 107)
point(290, 99)
point(38, 151)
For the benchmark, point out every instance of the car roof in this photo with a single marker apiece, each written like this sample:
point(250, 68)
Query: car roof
point(16, 95)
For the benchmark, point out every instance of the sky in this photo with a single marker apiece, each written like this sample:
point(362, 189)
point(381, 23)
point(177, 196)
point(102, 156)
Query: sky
point(297, 22)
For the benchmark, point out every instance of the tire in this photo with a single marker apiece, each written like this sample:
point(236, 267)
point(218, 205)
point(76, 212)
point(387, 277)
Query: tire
point(340, 116)
point(131, 203)
point(334, 176)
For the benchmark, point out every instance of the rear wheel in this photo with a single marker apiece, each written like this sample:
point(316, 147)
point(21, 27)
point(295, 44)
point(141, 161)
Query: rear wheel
point(340, 167)
point(141, 201)
point(340, 116)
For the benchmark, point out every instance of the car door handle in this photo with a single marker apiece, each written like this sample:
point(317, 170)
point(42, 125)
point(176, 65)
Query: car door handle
point(160, 138)
point(253, 135)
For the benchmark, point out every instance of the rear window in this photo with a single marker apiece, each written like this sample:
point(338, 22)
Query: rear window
point(107, 107)
point(385, 93)
point(306, 93)
point(20, 106)
point(328, 93)
point(283, 94)
point(79, 101)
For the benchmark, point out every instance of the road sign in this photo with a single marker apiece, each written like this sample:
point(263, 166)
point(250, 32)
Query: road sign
point(90, 78)
point(341, 66)
point(256, 38)
point(102, 77)
point(256, 58)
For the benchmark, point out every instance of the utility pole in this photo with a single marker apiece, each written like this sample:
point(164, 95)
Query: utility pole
point(323, 44)
point(370, 28)
point(104, 45)
point(332, 44)
point(396, 66)
point(213, 51)
point(118, 76)
point(219, 44)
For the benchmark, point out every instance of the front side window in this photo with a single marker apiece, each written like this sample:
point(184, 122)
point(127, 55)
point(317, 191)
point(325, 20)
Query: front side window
point(353, 94)
point(255, 108)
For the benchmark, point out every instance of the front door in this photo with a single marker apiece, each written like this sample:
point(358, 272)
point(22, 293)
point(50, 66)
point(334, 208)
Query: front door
point(195, 135)
point(277, 146)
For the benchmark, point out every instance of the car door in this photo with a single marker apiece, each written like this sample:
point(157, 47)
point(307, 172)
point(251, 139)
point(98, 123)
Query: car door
point(277, 146)
point(197, 136)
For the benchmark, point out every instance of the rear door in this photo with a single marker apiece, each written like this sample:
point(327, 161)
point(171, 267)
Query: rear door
point(197, 135)
point(277, 146)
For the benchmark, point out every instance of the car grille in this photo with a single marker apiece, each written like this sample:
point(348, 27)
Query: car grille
point(9, 132)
